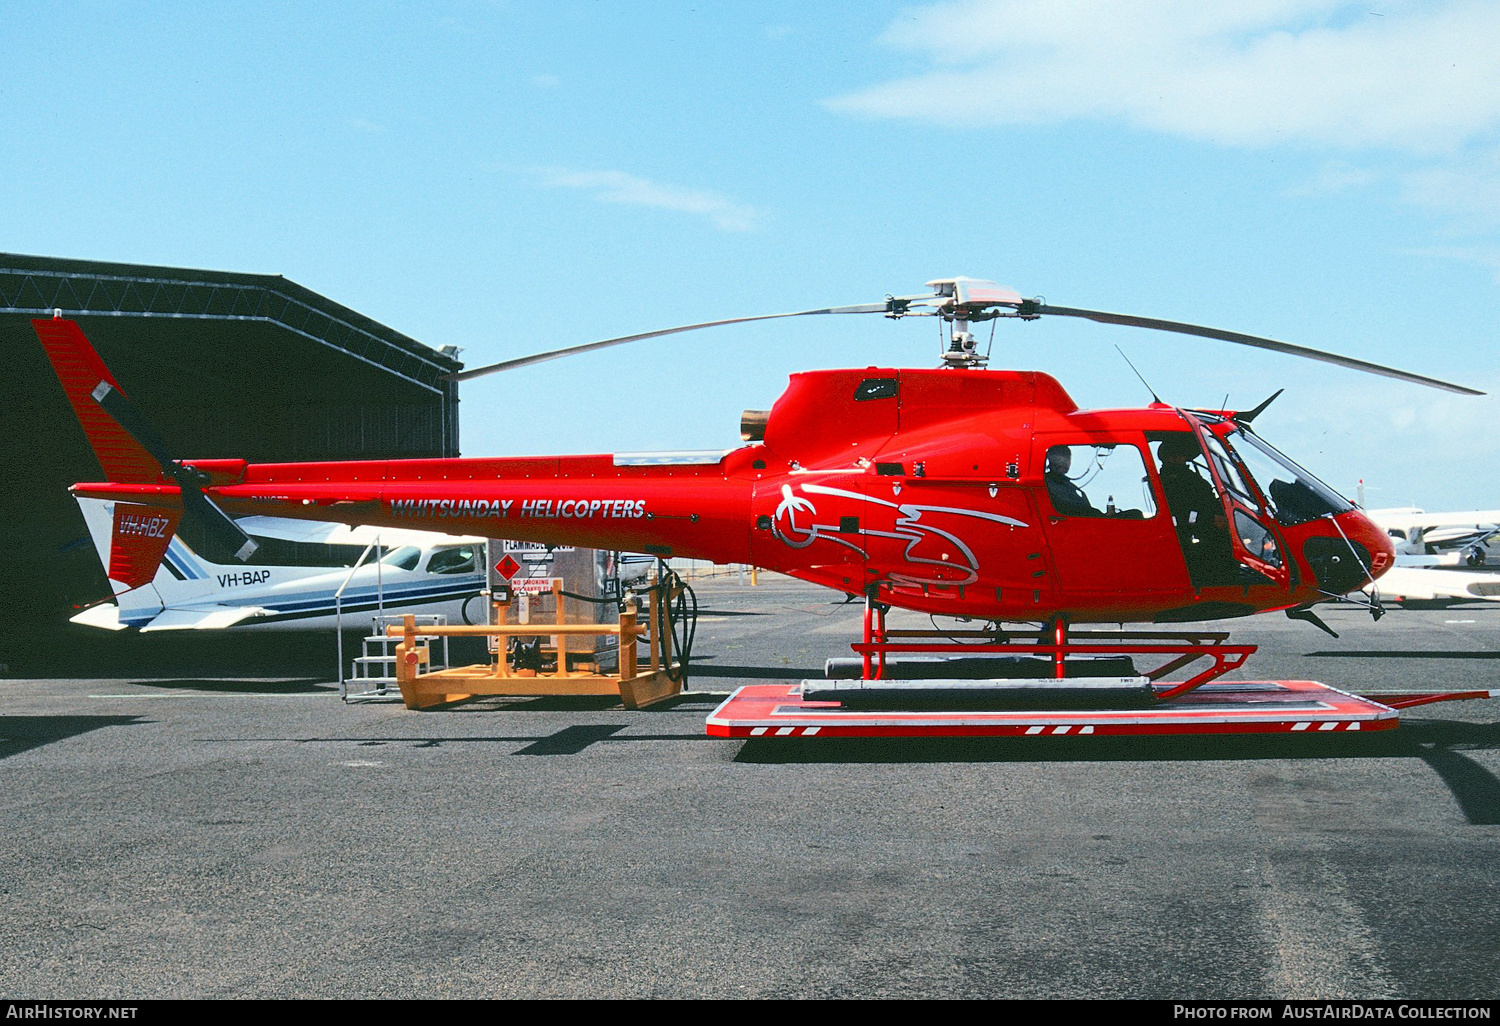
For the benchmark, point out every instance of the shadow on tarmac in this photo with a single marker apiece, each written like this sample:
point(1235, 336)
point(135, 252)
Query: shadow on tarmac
point(1439, 743)
point(305, 686)
point(1394, 654)
point(23, 733)
point(90, 654)
point(757, 672)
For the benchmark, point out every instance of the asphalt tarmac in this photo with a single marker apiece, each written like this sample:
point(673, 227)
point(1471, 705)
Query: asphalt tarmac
point(209, 820)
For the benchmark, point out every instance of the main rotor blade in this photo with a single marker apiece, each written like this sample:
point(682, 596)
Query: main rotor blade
point(526, 361)
point(224, 532)
point(1254, 340)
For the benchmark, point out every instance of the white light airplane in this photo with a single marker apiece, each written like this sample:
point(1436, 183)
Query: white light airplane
point(1438, 539)
point(1411, 584)
point(161, 584)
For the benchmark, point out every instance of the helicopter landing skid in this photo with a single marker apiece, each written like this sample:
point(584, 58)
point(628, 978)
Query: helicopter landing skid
point(1239, 707)
point(1069, 702)
point(1056, 644)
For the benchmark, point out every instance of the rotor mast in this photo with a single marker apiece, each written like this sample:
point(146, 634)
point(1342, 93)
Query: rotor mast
point(961, 301)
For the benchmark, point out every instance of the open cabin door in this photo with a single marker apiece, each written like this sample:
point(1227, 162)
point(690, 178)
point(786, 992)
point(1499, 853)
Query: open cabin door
point(1253, 541)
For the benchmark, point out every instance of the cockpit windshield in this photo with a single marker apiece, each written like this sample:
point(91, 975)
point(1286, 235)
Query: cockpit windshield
point(1293, 495)
point(404, 558)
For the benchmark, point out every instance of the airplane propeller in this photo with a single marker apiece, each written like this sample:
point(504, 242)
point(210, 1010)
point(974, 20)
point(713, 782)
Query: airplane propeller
point(964, 300)
point(223, 531)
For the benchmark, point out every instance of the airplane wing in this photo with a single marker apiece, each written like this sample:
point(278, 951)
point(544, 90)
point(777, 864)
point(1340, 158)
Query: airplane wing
point(106, 615)
point(342, 534)
point(1473, 520)
point(201, 618)
point(1401, 583)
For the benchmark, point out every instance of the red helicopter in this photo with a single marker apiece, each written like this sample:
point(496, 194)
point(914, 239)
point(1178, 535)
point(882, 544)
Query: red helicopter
point(974, 493)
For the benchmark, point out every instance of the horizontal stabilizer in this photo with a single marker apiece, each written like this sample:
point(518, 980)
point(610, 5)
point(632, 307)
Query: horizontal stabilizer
point(204, 618)
point(105, 616)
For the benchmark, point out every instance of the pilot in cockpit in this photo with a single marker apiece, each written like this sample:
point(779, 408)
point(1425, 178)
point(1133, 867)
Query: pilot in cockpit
point(1067, 498)
point(1202, 527)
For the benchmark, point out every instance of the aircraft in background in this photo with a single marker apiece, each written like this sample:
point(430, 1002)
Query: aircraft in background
point(1409, 585)
point(437, 573)
point(1438, 539)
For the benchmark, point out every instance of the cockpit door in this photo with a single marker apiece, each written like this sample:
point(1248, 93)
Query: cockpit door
point(1251, 537)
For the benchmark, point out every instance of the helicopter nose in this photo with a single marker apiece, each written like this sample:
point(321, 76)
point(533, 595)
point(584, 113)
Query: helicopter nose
point(1326, 547)
point(1363, 531)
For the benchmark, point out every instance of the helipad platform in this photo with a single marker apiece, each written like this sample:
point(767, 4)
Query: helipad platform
point(1239, 707)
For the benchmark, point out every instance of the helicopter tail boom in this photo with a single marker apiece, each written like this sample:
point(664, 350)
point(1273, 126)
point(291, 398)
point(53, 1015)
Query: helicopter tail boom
point(702, 511)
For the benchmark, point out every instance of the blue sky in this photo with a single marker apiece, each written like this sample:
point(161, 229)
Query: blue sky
point(515, 177)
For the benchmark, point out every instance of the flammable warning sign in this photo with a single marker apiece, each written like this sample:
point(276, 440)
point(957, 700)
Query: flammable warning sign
point(525, 546)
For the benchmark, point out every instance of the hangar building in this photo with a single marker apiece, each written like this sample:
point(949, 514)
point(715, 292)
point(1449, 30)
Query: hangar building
point(222, 364)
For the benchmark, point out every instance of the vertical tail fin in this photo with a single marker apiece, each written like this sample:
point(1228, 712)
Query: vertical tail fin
point(131, 539)
point(80, 370)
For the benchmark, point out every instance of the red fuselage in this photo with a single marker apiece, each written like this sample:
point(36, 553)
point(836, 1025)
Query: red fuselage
point(925, 486)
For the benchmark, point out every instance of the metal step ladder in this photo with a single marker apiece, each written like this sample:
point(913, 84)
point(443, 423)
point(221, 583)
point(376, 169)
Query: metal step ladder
point(373, 674)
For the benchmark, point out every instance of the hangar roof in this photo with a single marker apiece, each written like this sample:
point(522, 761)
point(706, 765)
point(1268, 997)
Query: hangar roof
point(36, 286)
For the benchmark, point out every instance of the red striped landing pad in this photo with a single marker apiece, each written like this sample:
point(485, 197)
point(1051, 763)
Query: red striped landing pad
point(1239, 707)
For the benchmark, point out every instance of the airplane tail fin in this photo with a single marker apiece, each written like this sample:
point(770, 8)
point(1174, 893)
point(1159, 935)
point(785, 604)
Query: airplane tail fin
point(131, 538)
point(81, 371)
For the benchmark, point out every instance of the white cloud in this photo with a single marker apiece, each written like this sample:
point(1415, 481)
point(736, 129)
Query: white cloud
point(1388, 434)
point(1467, 189)
point(1487, 256)
point(1421, 79)
point(1335, 177)
point(619, 187)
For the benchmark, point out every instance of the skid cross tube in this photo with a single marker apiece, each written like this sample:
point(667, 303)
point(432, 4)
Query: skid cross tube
point(1058, 643)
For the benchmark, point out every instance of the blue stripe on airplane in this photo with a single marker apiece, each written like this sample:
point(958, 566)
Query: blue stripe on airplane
point(178, 556)
point(367, 600)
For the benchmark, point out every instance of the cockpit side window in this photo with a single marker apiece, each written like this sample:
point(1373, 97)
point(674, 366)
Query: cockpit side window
point(1099, 480)
point(1244, 514)
point(1196, 507)
point(1229, 472)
